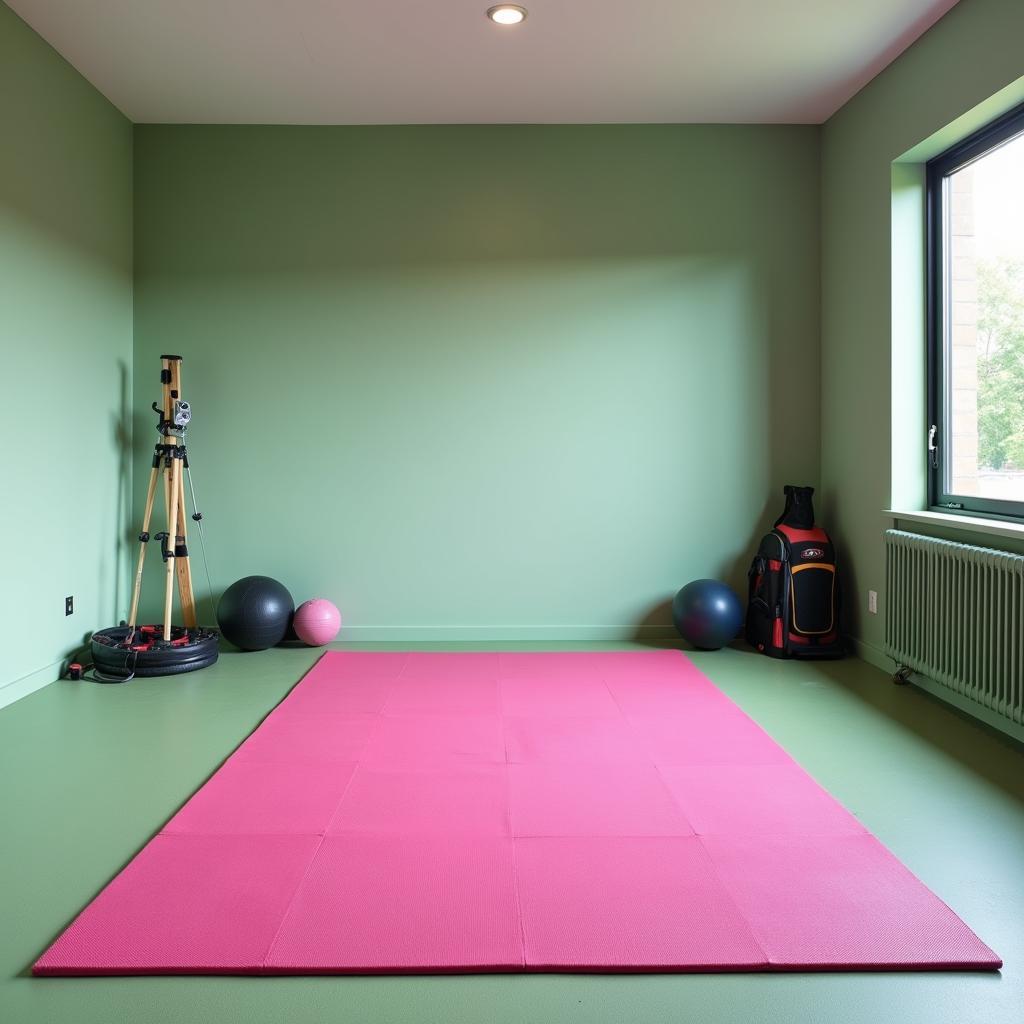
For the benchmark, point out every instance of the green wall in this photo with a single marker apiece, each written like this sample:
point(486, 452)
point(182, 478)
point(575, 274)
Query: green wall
point(872, 450)
point(483, 381)
point(66, 337)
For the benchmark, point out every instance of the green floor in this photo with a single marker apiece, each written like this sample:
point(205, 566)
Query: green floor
point(90, 772)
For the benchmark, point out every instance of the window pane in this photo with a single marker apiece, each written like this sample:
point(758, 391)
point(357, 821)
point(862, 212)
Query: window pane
point(985, 326)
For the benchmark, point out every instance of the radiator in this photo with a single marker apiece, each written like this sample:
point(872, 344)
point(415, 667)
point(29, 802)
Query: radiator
point(955, 613)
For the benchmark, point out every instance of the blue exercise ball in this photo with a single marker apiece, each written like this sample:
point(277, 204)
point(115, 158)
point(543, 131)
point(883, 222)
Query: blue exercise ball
point(707, 613)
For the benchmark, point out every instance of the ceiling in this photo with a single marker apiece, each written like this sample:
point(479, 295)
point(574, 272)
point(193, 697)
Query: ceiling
point(417, 61)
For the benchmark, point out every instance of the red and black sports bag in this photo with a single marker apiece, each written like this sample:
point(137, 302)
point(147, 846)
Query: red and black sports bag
point(793, 609)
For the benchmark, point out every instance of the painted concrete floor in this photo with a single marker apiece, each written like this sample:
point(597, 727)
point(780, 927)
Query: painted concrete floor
point(89, 772)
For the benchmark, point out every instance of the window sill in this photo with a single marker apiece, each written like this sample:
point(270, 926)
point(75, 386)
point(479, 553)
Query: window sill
point(972, 524)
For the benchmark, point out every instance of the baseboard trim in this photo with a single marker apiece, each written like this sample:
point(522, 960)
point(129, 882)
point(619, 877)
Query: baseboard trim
point(872, 655)
point(501, 634)
point(18, 688)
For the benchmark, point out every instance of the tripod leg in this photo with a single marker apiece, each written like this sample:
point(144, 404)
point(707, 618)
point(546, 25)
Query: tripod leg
point(172, 530)
point(183, 564)
point(147, 516)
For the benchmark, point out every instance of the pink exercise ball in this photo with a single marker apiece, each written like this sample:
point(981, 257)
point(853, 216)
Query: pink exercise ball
point(317, 622)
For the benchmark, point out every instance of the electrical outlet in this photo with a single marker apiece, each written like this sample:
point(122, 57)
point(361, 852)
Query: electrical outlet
point(69, 606)
point(873, 602)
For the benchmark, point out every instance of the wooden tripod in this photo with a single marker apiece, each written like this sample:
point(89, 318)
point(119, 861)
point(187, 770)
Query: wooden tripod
point(170, 460)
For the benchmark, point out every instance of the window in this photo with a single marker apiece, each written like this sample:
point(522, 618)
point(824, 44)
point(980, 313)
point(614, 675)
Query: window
point(976, 322)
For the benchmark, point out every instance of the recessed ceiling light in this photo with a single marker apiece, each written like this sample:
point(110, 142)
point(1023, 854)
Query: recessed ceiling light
point(507, 14)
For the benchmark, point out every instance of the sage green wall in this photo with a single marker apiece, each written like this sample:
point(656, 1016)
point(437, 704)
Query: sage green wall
point(483, 381)
point(971, 54)
point(66, 338)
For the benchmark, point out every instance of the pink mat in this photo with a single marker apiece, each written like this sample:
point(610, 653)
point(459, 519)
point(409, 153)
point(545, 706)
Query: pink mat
point(509, 812)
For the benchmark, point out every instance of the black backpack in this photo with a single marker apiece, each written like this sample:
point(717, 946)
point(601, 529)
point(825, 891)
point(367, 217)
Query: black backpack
point(793, 608)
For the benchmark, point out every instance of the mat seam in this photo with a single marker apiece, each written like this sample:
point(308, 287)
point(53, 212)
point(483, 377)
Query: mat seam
point(512, 840)
point(305, 874)
point(714, 867)
point(727, 890)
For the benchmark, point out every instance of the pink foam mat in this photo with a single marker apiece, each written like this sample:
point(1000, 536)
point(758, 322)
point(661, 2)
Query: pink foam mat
point(428, 812)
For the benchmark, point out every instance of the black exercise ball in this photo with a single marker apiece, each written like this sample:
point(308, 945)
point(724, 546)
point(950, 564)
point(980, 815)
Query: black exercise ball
point(255, 613)
point(707, 613)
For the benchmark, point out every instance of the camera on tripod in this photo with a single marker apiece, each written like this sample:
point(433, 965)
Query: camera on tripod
point(182, 414)
point(163, 648)
point(174, 416)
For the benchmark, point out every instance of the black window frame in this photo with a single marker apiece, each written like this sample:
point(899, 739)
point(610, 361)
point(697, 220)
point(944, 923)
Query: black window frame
point(974, 147)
